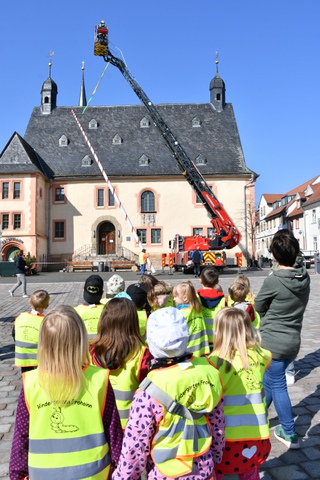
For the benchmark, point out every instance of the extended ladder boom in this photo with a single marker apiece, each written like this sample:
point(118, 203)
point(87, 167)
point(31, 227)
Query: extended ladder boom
point(227, 235)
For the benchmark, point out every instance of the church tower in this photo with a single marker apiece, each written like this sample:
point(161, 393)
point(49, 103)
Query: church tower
point(217, 90)
point(49, 92)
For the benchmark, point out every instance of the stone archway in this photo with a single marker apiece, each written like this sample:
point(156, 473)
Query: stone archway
point(106, 239)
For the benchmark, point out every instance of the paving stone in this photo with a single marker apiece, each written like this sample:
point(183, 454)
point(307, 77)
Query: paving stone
point(305, 393)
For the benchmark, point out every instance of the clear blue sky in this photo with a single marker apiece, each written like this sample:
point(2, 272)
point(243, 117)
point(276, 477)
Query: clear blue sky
point(268, 54)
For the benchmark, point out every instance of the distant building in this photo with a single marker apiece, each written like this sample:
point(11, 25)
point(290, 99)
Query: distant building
point(298, 210)
point(56, 204)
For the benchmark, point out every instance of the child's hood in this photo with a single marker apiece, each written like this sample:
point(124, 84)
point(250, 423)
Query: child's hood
point(296, 280)
point(209, 297)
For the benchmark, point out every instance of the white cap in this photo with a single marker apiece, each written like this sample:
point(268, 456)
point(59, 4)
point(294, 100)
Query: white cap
point(167, 333)
point(115, 284)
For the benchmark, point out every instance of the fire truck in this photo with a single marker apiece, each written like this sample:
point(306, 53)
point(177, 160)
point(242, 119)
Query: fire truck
point(183, 246)
point(226, 235)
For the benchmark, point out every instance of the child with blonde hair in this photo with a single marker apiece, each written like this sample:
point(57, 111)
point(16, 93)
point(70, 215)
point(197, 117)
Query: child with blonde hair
point(186, 300)
point(120, 348)
point(241, 362)
point(26, 331)
point(66, 414)
point(241, 297)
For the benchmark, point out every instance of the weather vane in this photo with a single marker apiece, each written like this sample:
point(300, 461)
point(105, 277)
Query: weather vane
point(217, 62)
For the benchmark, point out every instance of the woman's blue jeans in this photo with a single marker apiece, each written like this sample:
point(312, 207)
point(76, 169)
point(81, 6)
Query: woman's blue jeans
point(275, 387)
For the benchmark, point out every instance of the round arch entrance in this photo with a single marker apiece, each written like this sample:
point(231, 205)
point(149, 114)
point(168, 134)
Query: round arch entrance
point(106, 239)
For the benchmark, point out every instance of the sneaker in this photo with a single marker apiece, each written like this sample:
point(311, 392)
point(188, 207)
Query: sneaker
point(25, 296)
point(290, 441)
point(10, 293)
point(290, 380)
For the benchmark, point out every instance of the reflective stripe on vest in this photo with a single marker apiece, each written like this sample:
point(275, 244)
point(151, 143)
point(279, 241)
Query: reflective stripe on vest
point(198, 343)
point(90, 315)
point(208, 315)
point(27, 326)
point(142, 317)
point(244, 403)
point(68, 442)
point(198, 387)
point(125, 382)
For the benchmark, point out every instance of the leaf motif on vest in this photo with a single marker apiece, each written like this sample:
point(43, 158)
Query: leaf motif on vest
point(249, 452)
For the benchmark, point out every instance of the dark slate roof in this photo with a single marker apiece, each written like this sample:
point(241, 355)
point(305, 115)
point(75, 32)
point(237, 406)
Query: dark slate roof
point(19, 157)
point(217, 140)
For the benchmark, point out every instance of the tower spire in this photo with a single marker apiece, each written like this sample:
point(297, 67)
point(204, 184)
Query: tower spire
point(217, 89)
point(49, 91)
point(50, 63)
point(82, 98)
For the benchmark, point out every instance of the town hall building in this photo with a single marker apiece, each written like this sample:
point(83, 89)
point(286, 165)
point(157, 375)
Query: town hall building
point(56, 204)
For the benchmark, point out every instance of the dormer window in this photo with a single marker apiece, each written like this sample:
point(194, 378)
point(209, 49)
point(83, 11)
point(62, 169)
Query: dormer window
point(93, 124)
point(196, 122)
point(63, 141)
point(200, 160)
point(144, 123)
point(86, 161)
point(117, 140)
point(144, 161)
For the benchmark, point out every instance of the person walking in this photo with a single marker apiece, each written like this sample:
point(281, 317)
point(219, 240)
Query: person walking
point(197, 259)
point(20, 269)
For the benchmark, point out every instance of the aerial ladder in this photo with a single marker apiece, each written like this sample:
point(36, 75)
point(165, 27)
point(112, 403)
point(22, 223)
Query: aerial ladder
point(226, 234)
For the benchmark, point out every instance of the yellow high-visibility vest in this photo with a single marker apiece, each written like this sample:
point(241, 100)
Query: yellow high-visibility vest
point(198, 342)
point(27, 326)
point(198, 388)
point(142, 317)
point(90, 315)
point(125, 382)
point(68, 442)
point(244, 401)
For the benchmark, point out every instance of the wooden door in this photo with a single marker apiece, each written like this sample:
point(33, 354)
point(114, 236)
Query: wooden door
point(107, 239)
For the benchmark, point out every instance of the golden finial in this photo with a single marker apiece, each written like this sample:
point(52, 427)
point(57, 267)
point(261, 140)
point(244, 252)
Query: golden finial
point(217, 62)
point(82, 68)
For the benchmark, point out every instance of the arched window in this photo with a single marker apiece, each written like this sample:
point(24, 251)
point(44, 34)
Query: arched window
point(148, 202)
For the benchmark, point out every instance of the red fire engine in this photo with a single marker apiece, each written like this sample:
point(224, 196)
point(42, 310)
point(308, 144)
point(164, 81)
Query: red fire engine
point(226, 234)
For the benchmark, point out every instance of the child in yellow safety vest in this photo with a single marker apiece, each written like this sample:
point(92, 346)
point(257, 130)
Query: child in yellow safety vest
point(138, 294)
point(66, 418)
point(26, 331)
point(240, 296)
point(176, 424)
point(115, 285)
point(185, 299)
point(120, 348)
point(211, 298)
point(241, 362)
point(91, 307)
